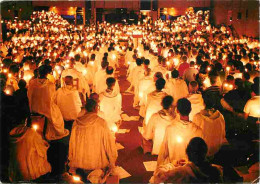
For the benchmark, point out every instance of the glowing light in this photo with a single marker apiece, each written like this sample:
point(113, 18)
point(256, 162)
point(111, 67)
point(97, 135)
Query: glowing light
point(208, 68)
point(76, 178)
point(9, 75)
point(179, 139)
point(128, 62)
point(91, 62)
point(114, 129)
point(113, 56)
point(228, 68)
point(85, 72)
point(5, 70)
point(7, 91)
point(141, 95)
point(176, 61)
point(35, 127)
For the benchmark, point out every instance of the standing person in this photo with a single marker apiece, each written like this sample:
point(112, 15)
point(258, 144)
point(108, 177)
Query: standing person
point(92, 145)
point(190, 73)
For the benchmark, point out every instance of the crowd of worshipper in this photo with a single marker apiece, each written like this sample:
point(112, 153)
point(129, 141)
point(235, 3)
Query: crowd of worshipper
point(196, 86)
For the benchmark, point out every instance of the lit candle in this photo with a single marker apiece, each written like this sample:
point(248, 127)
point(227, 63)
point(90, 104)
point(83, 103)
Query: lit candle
point(114, 129)
point(228, 69)
point(35, 127)
point(208, 68)
point(179, 139)
point(76, 178)
point(84, 72)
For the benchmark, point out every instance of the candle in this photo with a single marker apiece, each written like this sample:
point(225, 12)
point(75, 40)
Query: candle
point(228, 68)
point(9, 75)
point(114, 129)
point(76, 178)
point(5, 70)
point(84, 72)
point(208, 68)
point(128, 62)
point(179, 139)
point(167, 63)
point(35, 127)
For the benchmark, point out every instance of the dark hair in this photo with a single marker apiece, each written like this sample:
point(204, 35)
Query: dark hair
point(159, 84)
point(184, 106)
point(192, 63)
point(194, 84)
point(239, 83)
point(139, 62)
point(90, 105)
point(77, 57)
point(209, 100)
point(22, 84)
point(146, 61)
point(43, 71)
point(255, 88)
point(196, 150)
point(109, 70)
point(104, 64)
point(158, 75)
point(246, 75)
point(167, 102)
point(175, 73)
point(110, 81)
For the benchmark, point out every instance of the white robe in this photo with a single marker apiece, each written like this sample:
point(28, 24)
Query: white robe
point(40, 96)
point(213, 128)
point(101, 85)
point(92, 145)
point(68, 100)
point(177, 137)
point(177, 88)
point(110, 106)
point(197, 104)
point(155, 129)
point(83, 86)
point(28, 155)
point(99, 76)
point(154, 101)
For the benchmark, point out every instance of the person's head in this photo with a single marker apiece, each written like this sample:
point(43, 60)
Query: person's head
point(21, 84)
point(192, 63)
point(157, 76)
point(197, 150)
point(209, 100)
point(77, 57)
point(255, 89)
point(147, 72)
point(94, 96)
point(68, 80)
point(138, 62)
point(92, 57)
point(175, 73)
point(183, 107)
point(104, 65)
point(91, 105)
point(184, 59)
point(159, 84)
point(230, 79)
point(213, 79)
point(239, 83)
point(43, 71)
point(109, 70)
point(193, 86)
point(167, 102)
point(110, 82)
point(246, 76)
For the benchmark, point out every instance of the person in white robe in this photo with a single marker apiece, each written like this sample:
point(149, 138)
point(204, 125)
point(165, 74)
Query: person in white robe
point(28, 154)
point(157, 124)
point(99, 76)
point(161, 67)
point(111, 104)
point(40, 96)
point(136, 74)
point(195, 98)
point(148, 87)
point(190, 73)
point(176, 87)
point(92, 145)
point(92, 68)
point(81, 84)
point(197, 170)
point(129, 56)
point(154, 100)
point(68, 100)
point(178, 135)
point(101, 84)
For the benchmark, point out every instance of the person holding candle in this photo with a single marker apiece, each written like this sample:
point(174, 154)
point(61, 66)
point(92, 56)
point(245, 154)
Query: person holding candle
point(100, 75)
point(178, 135)
point(157, 124)
point(190, 73)
point(197, 170)
point(28, 154)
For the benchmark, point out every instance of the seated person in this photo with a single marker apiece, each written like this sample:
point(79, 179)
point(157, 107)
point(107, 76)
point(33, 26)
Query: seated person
point(157, 124)
point(178, 135)
point(195, 99)
point(28, 154)
point(92, 145)
point(197, 170)
point(154, 100)
point(111, 103)
point(68, 100)
point(176, 87)
point(212, 123)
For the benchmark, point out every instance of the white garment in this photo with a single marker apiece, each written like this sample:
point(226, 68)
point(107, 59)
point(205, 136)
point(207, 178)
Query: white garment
point(40, 96)
point(252, 107)
point(213, 129)
point(28, 155)
point(68, 100)
point(92, 146)
point(189, 74)
point(155, 129)
point(197, 104)
point(154, 101)
point(99, 75)
point(110, 106)
point(177, 88)
point(177, 137)
point(101, 84)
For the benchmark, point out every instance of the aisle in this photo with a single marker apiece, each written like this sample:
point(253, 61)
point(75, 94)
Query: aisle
point(131, 158)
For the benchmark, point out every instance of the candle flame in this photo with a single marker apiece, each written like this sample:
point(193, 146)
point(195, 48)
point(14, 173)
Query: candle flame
point(179, 139)
point(35, 127)
point(76, 178)
point(114, 129)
